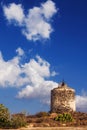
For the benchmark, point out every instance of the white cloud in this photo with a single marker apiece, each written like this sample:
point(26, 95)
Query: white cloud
point(54, 73)
point(9, 72)
point(36, 24)
point(49, 9)
point(20, 51)
point(14, 12)
point(38, 70)
point(39, 90)
point(81, 103)
point(33, 77)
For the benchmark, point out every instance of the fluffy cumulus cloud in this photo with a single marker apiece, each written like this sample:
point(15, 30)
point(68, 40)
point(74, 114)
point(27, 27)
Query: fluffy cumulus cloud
point(36, 25)
point(81, 103)
point(14, 12)
point(37, 72)
point(9, 71)
point(32, 77)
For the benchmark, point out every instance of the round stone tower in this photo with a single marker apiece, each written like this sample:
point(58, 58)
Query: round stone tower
point(63, 99)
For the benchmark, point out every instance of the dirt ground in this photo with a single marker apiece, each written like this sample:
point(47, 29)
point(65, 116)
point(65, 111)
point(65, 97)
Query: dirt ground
point(50, 128)
point(56, 128)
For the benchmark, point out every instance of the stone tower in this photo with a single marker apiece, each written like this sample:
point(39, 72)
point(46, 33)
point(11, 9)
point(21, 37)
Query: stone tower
point(63, 99)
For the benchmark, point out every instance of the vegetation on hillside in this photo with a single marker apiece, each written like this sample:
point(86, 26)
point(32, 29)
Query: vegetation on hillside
point(42, 114)
point(44, 119)
point(65, 117)
point(40, 119)
point(4, 116)
point(11, 121)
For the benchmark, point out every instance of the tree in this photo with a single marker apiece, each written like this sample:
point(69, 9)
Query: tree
point(4, 116)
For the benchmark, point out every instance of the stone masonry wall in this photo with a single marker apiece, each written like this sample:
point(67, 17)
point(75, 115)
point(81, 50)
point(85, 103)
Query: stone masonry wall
point(62, 100)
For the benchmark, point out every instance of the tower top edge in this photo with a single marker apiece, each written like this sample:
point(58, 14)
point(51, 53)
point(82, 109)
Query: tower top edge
point(64, 86)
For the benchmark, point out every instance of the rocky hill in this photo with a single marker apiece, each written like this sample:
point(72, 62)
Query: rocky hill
point(43, 119)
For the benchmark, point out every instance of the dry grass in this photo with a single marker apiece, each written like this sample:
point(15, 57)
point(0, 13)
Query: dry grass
point(80, 120)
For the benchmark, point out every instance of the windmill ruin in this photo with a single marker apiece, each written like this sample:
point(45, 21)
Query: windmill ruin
point(63, 99)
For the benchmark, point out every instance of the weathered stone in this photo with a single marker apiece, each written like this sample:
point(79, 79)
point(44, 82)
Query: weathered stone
point(62, 99)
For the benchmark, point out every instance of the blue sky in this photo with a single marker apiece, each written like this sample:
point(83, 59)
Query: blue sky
point(42, 42)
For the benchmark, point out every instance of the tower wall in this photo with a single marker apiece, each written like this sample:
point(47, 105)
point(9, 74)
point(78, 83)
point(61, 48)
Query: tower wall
point(62, 100)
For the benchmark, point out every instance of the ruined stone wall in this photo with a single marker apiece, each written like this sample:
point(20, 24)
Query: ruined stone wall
point(62, 100)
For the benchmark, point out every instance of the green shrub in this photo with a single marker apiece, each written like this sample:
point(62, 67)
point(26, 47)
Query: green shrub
point(18, 121)
point(66, 117)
